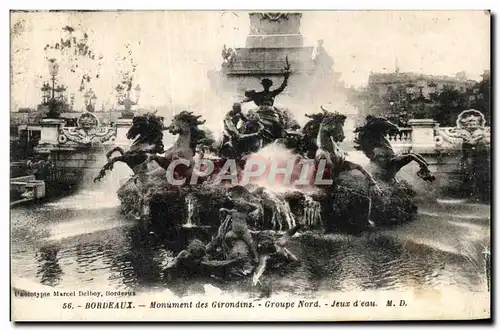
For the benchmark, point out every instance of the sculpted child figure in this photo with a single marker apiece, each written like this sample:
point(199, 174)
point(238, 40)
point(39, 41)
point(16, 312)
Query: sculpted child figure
point(239, 226)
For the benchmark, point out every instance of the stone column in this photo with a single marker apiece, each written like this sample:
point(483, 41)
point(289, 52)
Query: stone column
point(422, 136)
point(122, 127)
point(50, 131)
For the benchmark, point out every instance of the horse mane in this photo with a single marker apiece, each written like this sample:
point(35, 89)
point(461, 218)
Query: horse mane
point(198, 135)
point(368, 136)
point(311, 128)
point(153, 132)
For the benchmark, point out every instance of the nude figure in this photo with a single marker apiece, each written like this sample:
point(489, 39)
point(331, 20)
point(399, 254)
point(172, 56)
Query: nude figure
point(270, 248)
point(239, 227)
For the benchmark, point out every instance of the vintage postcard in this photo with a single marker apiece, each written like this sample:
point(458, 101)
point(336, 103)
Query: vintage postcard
point(250, 165)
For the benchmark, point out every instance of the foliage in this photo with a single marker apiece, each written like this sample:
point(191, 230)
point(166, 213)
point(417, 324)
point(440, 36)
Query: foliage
point(482, 99)
point(442, 106)
point(54, 108)
point(447, 106)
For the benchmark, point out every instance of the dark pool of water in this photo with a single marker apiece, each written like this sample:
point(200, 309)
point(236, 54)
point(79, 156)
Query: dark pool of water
point(84, 240)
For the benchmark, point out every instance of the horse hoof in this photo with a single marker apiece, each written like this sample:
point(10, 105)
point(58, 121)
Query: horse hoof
point(429, 178)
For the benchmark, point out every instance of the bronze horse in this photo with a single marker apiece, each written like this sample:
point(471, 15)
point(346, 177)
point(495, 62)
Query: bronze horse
point(372, 141)
point(147, 133)
point(321, 136)
point(190, 137)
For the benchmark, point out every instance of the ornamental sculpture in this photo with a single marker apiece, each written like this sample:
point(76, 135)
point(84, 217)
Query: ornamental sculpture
point(228, 56)
point(470, 130)
point(274, 16)
point(87, 132)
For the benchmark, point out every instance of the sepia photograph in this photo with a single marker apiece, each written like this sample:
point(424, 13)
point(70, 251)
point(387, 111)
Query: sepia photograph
point(183, 165)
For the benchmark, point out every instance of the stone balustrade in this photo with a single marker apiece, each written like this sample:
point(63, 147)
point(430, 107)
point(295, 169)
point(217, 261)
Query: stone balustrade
point(56, 134)
point(428, 139)
point(401, 140)
point(74, 149)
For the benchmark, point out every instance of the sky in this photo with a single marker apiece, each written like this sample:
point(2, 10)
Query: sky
point(173, 51)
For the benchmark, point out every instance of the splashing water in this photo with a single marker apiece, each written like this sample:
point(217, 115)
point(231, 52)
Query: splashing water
point(312, 212)
point(282, 213)
point(275, 186)
point(90, 194)
point(92, 208)
point(279, 157)
point(190, 205)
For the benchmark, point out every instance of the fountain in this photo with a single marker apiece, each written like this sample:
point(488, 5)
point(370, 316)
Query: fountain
point(312, 212)
point(192, 214)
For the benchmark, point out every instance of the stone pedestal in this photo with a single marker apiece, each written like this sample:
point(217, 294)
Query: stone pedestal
point(49, 132)
point(273, 38)
point(422, 136)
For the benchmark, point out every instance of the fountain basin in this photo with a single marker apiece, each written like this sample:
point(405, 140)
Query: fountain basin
point(346, 207)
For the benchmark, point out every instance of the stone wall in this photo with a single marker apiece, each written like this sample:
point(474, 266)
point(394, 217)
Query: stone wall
point(270, 61)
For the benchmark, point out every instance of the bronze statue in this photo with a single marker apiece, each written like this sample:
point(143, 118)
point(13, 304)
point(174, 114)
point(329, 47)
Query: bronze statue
point(273, 120)
point(238, 142)
point(231, 121)
point(372, 141)
point(147, 133)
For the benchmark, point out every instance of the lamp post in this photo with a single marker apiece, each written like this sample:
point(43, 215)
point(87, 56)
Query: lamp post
point(52, 103)
point(138, 91)
point(128, 103)
point(93, 100)
point(90, 99)
point(53, 70)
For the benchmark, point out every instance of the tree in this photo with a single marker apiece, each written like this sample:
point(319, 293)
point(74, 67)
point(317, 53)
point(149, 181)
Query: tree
point(447, 105)
point(481, 97)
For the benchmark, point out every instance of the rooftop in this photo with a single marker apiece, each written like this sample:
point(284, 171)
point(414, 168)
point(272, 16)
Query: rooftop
point(403, 77)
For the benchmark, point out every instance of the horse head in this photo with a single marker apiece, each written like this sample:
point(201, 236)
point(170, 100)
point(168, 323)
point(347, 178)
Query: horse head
point(470, 119)
point(253, 116)
point(187, 123)
point(378, 126)
point(332, 123)
point(373, 133)
point(148, 127)
point(184, 122)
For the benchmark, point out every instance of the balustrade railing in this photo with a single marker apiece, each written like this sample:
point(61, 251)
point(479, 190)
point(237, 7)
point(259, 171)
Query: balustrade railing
point(401, 141)
point(402, 137)
point(444, 138)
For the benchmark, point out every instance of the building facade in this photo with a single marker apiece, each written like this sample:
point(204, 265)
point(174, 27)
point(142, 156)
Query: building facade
point(401, 96)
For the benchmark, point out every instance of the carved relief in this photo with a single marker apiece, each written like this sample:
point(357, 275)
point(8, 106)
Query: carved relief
point(274, 16)
point(448, 138)
point(470, 129)
point(472, 124)
point(87, 132)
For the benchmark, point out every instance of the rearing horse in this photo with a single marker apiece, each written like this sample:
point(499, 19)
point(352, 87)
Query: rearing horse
point(372, 141)
point(328, 129)
point(186, 126)
point(147, 132)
